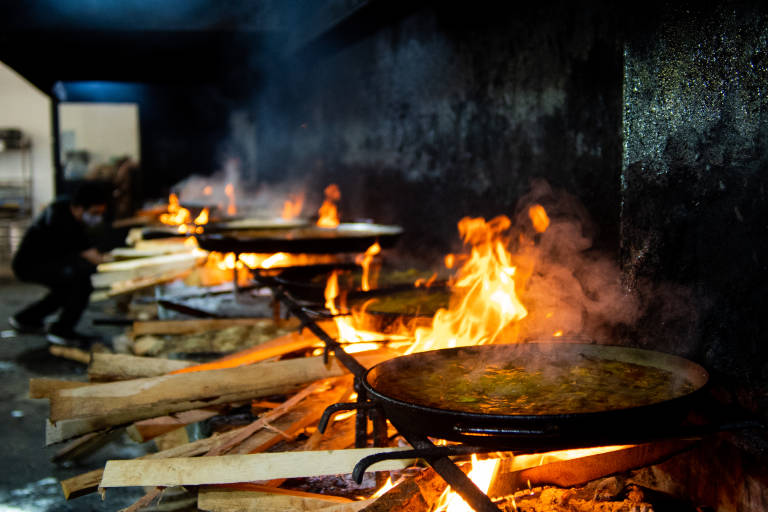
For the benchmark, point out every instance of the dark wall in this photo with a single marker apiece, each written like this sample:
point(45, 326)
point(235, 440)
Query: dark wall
point(450, 112)
point(694, 188)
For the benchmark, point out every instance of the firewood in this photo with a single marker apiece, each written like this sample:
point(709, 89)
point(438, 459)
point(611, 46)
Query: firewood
point(82, 484)
point(279, 346)
point(292, 423)
point(71, 353)
point(267, 417)
point(411, 495)
point(240, 468)
point(214, 499)
point(109, 273)
point(339, 435)
point(116, 403)
point(44, 387)
point(306, 414)
point(172, 439)
point(145, 430)
point(194, 326)
point(112, 367)
point(86, 444)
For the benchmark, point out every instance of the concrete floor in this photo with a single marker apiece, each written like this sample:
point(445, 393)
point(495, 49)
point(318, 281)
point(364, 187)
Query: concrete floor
point(28, 479)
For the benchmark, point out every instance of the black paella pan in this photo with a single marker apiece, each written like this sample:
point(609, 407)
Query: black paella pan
point(552, 394)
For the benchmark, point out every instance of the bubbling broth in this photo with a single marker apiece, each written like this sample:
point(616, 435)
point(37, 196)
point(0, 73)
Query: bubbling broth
point(533, 387)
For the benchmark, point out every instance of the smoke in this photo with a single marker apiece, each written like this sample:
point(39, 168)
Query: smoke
point(568, 288)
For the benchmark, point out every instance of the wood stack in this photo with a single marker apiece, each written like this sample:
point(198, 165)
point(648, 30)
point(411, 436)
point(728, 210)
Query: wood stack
point(156, 398)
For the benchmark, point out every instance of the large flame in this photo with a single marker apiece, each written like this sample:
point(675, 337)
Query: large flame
point(328, 214)
point(483, 301)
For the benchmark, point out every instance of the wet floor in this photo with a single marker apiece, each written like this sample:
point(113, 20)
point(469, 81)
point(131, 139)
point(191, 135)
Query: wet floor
point(29, 481)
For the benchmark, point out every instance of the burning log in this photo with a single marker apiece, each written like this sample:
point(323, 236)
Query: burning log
point(112, 367)
point(227, 469)
point(116, 403)
point(411, 495)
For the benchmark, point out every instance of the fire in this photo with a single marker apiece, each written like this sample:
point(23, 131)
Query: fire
point(345, 323)
point(232, 206)
point(292, 207)
point(207, 190)
point(328, 214)
point(202, 219)
point(365, 261)
point(483, 298)
point(177, 215)
point(539, 218)
point(481, 473)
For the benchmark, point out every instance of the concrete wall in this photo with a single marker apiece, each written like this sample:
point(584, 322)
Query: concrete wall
point(25, 107)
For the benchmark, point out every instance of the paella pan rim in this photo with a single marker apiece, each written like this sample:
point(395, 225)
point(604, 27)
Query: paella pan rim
point(698, 372)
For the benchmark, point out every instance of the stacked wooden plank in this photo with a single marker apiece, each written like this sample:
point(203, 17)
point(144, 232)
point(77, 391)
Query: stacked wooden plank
point(118, 277)
point(155, 398)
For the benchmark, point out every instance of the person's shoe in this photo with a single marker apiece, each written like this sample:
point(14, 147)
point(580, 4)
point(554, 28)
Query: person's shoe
point(68, 337)
point(26, 327)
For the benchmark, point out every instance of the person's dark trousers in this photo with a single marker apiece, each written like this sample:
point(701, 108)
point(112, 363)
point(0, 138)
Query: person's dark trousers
point(69, 289)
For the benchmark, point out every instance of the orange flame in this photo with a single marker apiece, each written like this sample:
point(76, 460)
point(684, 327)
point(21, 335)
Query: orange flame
point(328, 214)
point(345, 325)
point(481, 473)
point(365, 261)
point(207, 190)
point(202, 218)
point(539, 218)
point(176, 214)
point(292, 207)
point(483, 301)
point(231, 207)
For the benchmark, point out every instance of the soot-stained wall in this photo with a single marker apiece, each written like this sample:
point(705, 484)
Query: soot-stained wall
point(694, 206)
point(451, 112)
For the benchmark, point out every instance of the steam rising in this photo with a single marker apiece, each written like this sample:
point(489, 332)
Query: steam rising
point(566, 286)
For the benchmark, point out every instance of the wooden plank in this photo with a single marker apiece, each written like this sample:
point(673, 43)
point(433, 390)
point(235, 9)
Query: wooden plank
point(111, 367)
point(228, 500)
point(267, 350)
point(42, 387)
point(81, 485)
point(240, 468)
point(116, 403)
point(144, 430)
point(140, 268)
point(71, 353)
point(86, 445)
point(193, 326)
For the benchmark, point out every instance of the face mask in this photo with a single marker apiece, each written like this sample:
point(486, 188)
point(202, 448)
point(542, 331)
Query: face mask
point(91, 219)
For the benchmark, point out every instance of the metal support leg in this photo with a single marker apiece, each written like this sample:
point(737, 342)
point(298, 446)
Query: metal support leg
point(454, 476)
point(361, 419)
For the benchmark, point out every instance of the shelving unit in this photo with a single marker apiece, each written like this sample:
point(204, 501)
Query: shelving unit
point(16, 190)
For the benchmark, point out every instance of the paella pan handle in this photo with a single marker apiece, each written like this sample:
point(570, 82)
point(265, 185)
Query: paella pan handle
point(474, 430)
point(341, 406)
